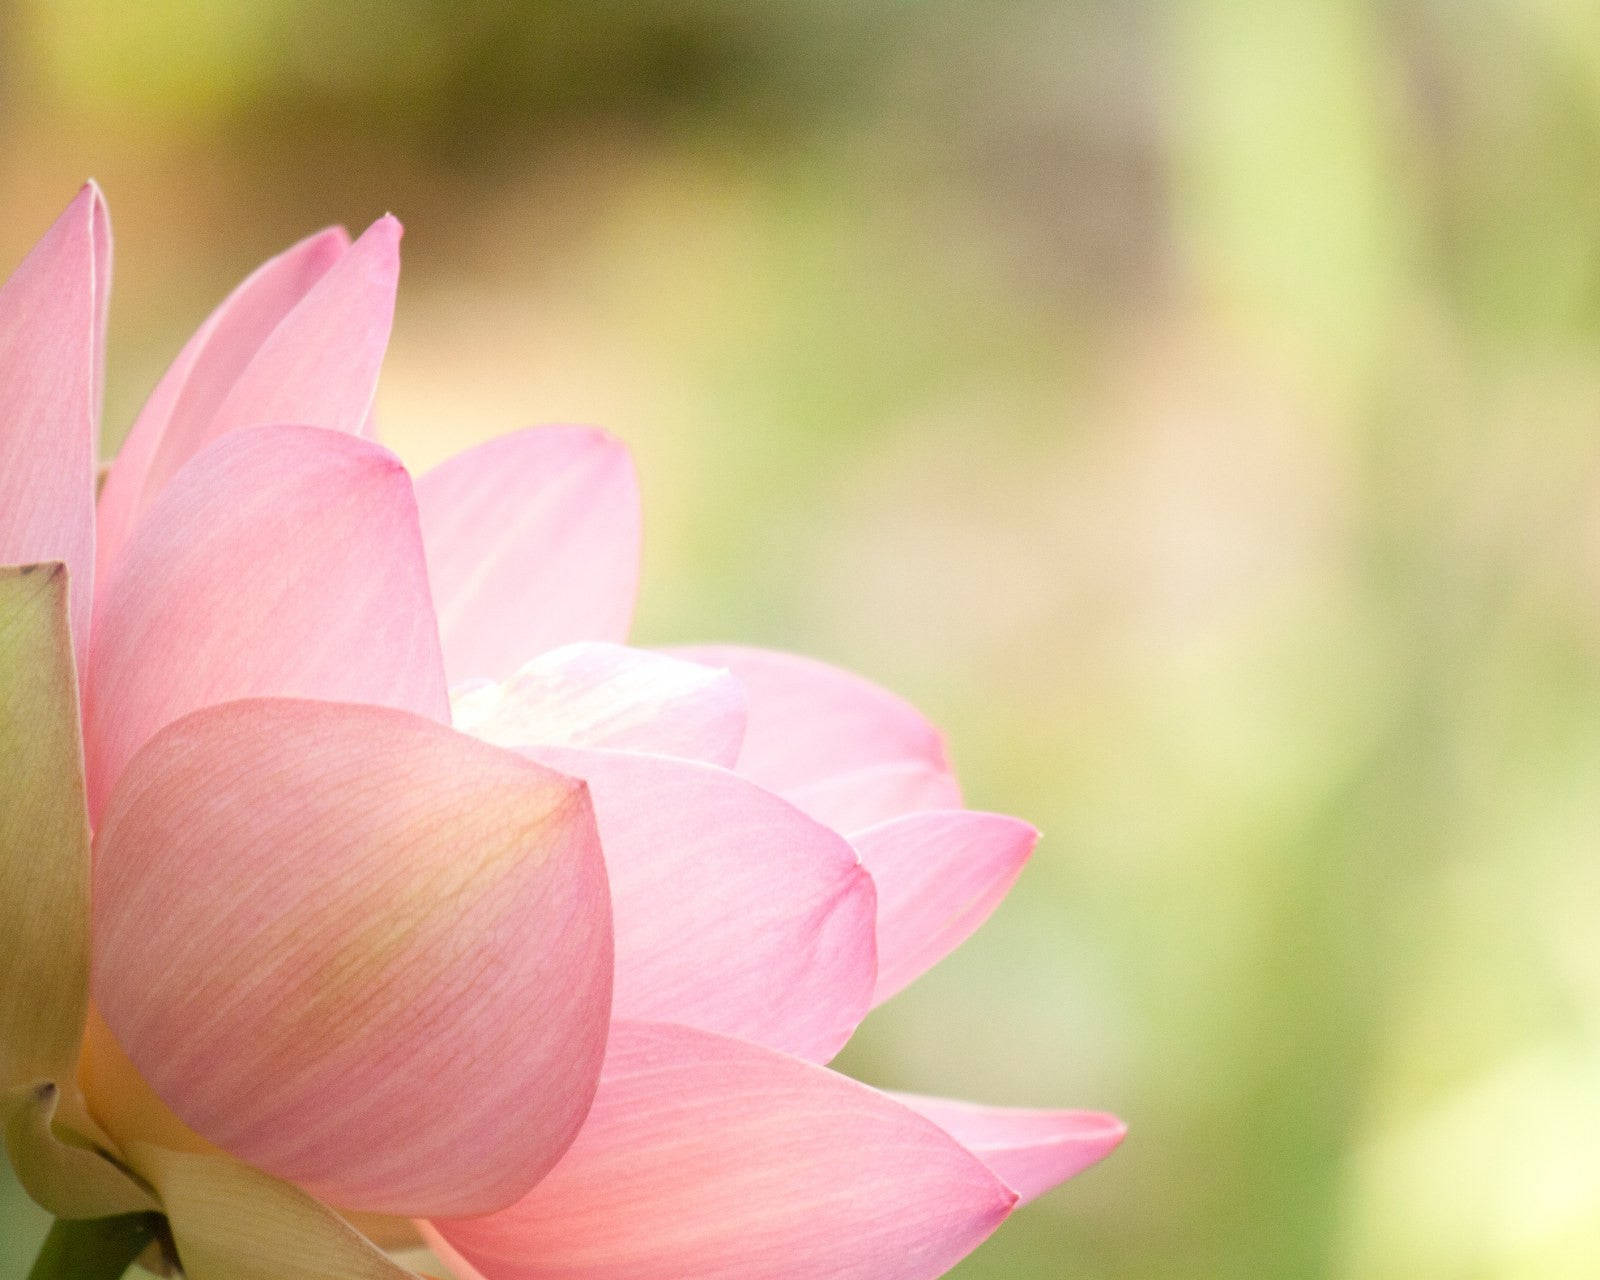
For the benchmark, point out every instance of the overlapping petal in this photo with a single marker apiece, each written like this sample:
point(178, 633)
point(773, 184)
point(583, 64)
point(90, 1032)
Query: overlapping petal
point(734, 911)
point(320, 365)
point(939, 875)
point(865, 797)
point(52, 351)
point(851, 753)
point(593, 694)
point(533, 541)
point(180, 417)
point(711, 1158)
point(1030, 1151)
point(282, 561)
point(357, 949)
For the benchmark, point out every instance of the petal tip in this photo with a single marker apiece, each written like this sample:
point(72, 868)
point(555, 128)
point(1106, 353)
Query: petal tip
point(385, 462)
point(90, 193)
point(597, 438)
point(1116, 1129)
point(387, 230)
point(1027, 840)
point(336, 234)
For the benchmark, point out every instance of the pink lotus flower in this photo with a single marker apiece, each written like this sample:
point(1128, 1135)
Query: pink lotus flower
point(549, 968)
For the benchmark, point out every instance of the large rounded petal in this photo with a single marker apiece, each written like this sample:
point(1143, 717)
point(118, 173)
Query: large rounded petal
point(939, 876)
point(357, 949)
point(52, 349)
point(186, 400)
point(1030, 1151)
point(734, 911)
point(282, 561)
point(812, 726)
point(593, 694)
point(710, 1158)
point(533, 541)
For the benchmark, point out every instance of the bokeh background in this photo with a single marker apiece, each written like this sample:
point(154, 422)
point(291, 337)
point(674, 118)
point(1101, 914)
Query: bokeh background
point(1192, 405)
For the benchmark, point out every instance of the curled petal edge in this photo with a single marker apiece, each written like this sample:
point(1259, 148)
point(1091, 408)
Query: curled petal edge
point(61, 1169)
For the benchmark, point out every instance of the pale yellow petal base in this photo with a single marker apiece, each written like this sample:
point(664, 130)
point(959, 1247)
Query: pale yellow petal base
point(232, 1222)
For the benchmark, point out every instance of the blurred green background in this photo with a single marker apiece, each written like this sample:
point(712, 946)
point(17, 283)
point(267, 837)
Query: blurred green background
point(1193, 406)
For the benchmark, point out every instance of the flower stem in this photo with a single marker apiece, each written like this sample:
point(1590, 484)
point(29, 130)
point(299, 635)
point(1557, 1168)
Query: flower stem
point(95, 1248)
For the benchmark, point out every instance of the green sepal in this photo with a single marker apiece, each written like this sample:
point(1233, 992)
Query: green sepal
point(60, 1169)
point(44, 834)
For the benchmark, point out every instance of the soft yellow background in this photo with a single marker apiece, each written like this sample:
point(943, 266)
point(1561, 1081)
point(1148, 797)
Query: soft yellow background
point(1194, 406)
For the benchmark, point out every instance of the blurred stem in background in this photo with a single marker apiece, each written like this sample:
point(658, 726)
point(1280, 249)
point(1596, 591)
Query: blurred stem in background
point(100, 1249)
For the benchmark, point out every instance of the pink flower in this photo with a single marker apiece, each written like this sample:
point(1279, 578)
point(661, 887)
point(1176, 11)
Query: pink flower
point(552, 971)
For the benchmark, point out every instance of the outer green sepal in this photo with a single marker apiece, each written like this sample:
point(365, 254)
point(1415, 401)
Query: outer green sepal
point(61, 1171)
point(44, 908)
point(44, 834)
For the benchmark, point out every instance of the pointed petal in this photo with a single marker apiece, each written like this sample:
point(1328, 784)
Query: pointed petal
point(69, 1180)
point(1030, 1151)
point(185, 402)
point(592, 694)
point(232, 1222)
point(52, 334)
point(939, 876)
point(734, 911)
point(44, 833)
point(282, 561)
point(810, 721)
point(357, 949)
point(865, 797)
point(320, 365)
point(533, 541)
point(711, 1158)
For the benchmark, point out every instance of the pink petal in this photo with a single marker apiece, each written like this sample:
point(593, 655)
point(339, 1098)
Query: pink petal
point(810, 722)
point(282, 561)
point(734, 911)
point(52, 339)
point(185, 402)
point(357, 949)
point(533, 541)
point(865, 797)
point(1030, 1151)
point(592, 694)
point(709, 1158)
point(939, 876)
point(320, 365)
